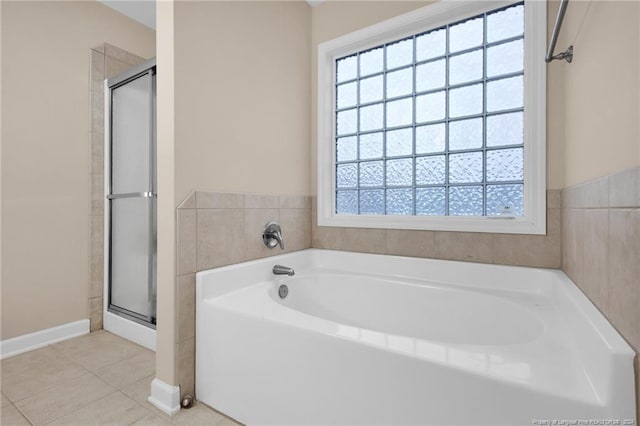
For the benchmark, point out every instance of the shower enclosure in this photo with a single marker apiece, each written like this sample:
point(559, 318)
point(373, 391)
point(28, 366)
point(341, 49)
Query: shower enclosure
point(130, 204)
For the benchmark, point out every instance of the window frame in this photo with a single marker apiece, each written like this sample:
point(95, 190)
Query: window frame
point(420, 20)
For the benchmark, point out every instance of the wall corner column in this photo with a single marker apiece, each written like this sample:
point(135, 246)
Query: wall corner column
point(166, 269)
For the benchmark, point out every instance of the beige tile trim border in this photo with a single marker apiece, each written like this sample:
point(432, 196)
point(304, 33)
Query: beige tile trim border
point(619, 190)
point(542, 251)
point(189, 201)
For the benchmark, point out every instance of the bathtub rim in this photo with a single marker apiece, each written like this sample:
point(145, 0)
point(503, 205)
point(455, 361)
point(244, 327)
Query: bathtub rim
point(558, 284)
point(604, 353)
point(609, 364)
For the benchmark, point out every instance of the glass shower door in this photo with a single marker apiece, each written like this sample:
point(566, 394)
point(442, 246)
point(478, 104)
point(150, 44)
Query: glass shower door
point(131, 196)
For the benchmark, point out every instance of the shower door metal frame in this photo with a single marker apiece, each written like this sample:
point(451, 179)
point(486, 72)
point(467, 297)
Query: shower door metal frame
point(145, 68)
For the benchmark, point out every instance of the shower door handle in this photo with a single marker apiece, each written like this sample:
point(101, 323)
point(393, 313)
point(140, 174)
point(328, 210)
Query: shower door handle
point(132, 195)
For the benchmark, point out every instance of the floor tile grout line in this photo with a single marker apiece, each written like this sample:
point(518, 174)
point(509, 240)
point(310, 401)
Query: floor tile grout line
point(152, 376)
point(139, 350)
point(148, 408)
point(76, 409)
point(137, 404)
point(116, 362)
point(51, 346)
point(92, 370)
point(67, 357)
point(54, 347)
point(81, 407)
point(40, 390)
point(21, 413)
point(159, 414)
point(111, 390)
point(151, 410)
point(44, 389)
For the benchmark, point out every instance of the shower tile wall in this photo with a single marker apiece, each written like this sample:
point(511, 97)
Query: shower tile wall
point(216, 229)
point(601, 248)
point(506, 249)
point(106, 61)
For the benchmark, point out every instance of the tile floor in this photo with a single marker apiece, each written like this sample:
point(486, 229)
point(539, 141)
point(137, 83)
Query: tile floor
point(97, 379)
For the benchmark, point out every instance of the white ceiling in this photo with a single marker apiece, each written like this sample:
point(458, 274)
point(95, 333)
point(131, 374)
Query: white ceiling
point(144, 11)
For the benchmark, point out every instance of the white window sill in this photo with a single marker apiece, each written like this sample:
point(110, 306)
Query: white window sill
point(497, 224)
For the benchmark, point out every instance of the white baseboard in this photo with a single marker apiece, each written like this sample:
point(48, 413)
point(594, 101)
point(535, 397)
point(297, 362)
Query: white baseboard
point(165, 397)
point(130, 330)
point(42, 338)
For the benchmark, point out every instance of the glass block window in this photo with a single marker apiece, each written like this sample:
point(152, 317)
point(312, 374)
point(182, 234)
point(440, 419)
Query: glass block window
point(432, 124)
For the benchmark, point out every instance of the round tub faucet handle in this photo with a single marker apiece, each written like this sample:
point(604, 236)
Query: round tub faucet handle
point(272, 235)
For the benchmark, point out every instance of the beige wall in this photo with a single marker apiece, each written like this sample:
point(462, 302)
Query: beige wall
point(600, 89)
point(0, 172)
point(242, 96)
point(555, 109)
point(166, 289)
point(45, 147)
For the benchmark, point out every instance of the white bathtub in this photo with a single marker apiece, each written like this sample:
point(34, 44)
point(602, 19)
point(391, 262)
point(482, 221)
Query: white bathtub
point(371, 339)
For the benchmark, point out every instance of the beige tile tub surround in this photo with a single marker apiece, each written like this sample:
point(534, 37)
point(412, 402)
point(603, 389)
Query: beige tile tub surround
point(216, 229)
point(602, 246)
point(601, 249)
point(106, 61)
point(506, 249)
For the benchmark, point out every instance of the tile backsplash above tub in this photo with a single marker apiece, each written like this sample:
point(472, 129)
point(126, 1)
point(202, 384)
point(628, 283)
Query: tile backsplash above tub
point(216, 229)
point(601, 235)
point(601, 249)
point(543, 251)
